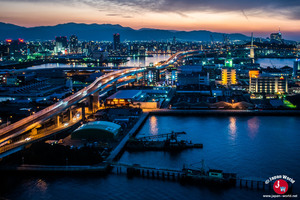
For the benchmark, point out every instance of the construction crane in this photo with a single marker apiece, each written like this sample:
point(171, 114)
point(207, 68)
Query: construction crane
point(169, 136)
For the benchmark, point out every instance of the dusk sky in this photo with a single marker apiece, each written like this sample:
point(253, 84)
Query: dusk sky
point(259, 16)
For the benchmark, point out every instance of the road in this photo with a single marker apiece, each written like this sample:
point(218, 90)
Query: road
point(99, 84)
point(32, 121)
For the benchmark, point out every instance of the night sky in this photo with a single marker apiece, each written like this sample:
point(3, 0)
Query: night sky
point(244, 16)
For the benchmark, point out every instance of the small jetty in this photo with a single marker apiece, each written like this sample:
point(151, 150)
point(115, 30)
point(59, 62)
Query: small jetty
point(184, 175)
point(210, 177)
point(195, 176)
point(152, 143)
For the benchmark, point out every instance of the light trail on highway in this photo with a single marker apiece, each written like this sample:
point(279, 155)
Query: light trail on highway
point(101, 83)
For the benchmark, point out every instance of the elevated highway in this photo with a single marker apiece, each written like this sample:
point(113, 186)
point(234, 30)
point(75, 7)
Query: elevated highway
point(100, 85)
point(32, 121)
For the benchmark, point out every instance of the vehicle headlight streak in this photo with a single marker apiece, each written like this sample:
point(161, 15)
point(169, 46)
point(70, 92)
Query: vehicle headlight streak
point(84, 92)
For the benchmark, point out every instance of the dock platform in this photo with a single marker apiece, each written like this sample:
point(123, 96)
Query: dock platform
point(120, 148)
point(136, 170)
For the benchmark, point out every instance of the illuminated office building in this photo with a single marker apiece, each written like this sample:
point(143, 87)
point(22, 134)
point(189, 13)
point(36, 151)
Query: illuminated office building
point(228, 76)
point(268, 85)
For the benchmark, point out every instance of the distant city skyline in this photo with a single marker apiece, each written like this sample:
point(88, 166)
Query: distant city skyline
point(231, 16)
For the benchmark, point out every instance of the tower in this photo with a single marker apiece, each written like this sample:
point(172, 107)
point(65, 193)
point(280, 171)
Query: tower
point(252, 49)
point(279, 33)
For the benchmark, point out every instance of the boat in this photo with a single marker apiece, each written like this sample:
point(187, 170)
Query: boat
point(171, 143)
point(214, 177)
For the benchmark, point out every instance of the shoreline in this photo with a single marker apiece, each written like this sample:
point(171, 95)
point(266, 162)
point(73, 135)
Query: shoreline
point(226, 112)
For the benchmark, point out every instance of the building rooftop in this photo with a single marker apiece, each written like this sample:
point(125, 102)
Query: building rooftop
point(101, 125)
point(126, 94)
point(98, 130)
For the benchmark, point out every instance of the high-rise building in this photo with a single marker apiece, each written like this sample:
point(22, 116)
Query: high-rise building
point(62, 40)
point(16, 47)
point(296, 68)
point(73, 44)
point(61, 43)
point(252, 74)
point(116, 41)
point(152, 75)
point(170, 76)
point(269, 85)
point(228, 76)
point(252, 49)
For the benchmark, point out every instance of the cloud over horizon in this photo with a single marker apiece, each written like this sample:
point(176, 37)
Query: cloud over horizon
point(287, 8)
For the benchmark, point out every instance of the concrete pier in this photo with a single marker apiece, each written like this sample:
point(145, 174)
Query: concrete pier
point(115, 152)
point(245, 182)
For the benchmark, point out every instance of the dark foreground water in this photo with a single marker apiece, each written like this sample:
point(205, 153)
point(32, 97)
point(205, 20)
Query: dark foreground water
point(250, 146)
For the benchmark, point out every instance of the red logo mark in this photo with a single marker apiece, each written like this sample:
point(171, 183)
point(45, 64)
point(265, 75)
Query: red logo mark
point(280, 186)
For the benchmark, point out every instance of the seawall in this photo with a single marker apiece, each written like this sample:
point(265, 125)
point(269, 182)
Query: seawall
point(226, 112)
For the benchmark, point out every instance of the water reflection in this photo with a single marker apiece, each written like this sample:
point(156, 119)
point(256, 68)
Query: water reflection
point(142, 61)
point(232, 127)
point(253, 126)
point(137, 61)
point(57, 65)
point(153, 125)
point(132, 62)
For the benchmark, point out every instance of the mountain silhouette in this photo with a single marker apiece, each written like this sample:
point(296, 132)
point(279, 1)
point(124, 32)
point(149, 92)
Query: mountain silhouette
point(104, 32)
